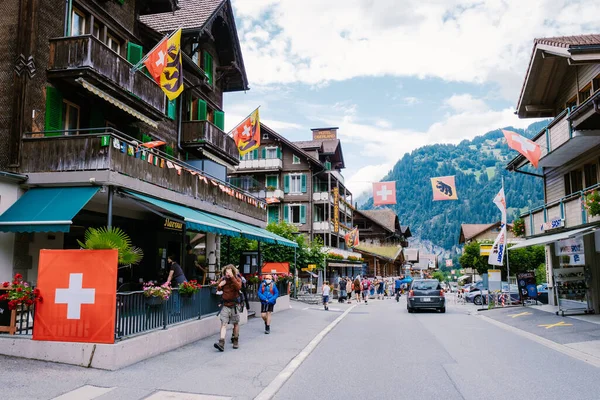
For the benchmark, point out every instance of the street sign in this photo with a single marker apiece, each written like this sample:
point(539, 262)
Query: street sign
point(485, 249)
point(311, 266)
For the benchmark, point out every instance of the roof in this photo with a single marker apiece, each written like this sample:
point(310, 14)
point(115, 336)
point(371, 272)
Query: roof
point(389, 252)
point(411, 255)
point(406, 231)
point(385, 217)
point(192, 14)
point(568, 41)
point(469, 231)
point(328, 146)
point(425, 259)
point(293, 145)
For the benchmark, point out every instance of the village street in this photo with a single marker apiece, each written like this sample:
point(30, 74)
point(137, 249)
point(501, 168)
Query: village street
point(374, 350)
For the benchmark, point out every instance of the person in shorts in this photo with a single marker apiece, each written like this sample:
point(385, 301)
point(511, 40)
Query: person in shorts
point(267, 293)
point(357, 289)
point(381, 289)
point(230, 284)
point(326, 292)
point(366, 286)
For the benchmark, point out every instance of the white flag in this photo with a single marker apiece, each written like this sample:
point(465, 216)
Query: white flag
point(500, 202)
point(496, 256)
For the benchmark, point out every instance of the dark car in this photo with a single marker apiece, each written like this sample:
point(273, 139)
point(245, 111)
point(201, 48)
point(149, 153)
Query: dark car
point(542, 290)
point(426, 293)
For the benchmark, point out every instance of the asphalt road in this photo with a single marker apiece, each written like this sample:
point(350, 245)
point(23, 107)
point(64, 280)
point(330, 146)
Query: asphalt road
point(375, 351)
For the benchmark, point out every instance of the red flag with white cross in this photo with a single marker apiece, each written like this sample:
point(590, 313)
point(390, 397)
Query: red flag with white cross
point(530, 150)
point(384, 193)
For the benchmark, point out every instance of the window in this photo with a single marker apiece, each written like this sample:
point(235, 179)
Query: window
point(96, 31)
point(265, 136)
point(70, 117)
point(572, 102)
point(295, 214)
point(590, 172)
point(573, 182)
point(295, 184)
point(585, 93)
point(77, 23)
point(195, 54)
point(596, 84)
point(113, 43)
point(271, 152)
point(249, 156)
point(295, 160)
point(246, 183)
point(272, 182)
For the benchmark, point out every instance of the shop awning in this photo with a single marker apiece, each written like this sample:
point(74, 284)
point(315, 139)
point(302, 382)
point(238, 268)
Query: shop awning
point(194, 220)
point(553, 238)
point(46, 209)
point(255, 233)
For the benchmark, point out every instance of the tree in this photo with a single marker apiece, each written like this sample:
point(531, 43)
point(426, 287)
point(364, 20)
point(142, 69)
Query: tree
point(471, 258)
point(440, 276)
point(112, 238)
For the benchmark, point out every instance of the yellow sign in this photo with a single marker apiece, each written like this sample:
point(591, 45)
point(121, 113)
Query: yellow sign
point(311, 267)
point(485, 249)
point(336, 209)
point(561, 323)
point(173, 225)
point(520, 314)
point(325, 134)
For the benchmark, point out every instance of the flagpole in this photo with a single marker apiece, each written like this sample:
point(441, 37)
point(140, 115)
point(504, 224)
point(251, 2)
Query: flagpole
point(506, 250)
point(141, 62)
point(243, 119)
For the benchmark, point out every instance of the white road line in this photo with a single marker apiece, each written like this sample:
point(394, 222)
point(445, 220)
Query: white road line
point(561, 348)
point(163, 395)
point(272, 388)
point(86, 392)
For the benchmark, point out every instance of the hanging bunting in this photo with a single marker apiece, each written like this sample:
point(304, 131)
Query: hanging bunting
point(130, 150)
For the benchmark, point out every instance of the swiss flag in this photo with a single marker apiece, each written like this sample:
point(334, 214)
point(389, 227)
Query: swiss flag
point(526, 147)
point(384, 193)
point(79, 291)
point(157, 60)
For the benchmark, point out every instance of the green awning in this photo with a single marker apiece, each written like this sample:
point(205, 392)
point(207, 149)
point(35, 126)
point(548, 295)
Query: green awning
point(194, 220)
point(46, 209)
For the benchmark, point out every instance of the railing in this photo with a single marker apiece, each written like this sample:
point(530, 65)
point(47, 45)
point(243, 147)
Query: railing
point(570, 209)
point(111, 150)
point(74, 54)
point(24, 320)
point(321, 196)
point(247, 183)
point(137, 313)
point(252, 290)
point(555, 134)
point(269, 163)
point(268, 194)
point(206, 134)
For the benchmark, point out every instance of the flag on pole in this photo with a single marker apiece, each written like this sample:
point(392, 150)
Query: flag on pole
point(384, 193)
point(164, 64)
point(496, 256)
point(351, 238)
point(530, 150)
point(500, 202)
point(247, 133)
point(444, 188)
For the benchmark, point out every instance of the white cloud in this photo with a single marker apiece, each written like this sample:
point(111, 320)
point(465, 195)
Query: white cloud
point(316, 41)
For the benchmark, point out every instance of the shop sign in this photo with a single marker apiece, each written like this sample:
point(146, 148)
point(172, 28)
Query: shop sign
point(336, 209)
point(328, 134)
point(173, 225)
point(569, 246)
point(485, 249)
point(527, 285)
point(553, 224)
point(572, 259)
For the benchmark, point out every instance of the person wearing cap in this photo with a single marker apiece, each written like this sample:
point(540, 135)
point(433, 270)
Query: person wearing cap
point(267, 293)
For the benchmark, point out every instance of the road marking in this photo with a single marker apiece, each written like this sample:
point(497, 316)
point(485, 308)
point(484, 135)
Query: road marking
point(519, 314)
point(163, 395)
point(272, 388)
point(561, 323)
point(579, 355)
point(87, 392)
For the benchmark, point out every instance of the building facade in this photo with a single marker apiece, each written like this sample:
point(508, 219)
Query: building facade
point(563, 83)
point(103, 139)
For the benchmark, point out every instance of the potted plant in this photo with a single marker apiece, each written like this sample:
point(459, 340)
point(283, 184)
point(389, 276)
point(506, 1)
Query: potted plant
point(112, 238)
point(188, 289)
point(592, 203)
point(156, 294)
point(20, 293)
point(271, 188)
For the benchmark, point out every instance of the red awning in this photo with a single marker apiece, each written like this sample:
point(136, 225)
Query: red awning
point(276, 268)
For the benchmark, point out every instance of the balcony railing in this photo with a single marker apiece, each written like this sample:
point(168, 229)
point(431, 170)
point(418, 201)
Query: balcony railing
point(112, 150)
point(70, 57)
point(567, 212)
point(205, 135)
point(270, 163)
point(268, 194)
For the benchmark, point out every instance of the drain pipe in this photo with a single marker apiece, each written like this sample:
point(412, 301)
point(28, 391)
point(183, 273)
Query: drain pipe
point(179, 115)
point(68, 12)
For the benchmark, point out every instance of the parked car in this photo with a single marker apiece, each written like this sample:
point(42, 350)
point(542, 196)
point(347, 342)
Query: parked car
point(453, 287)
point(542, 290)
point(426, 293)
point(479, 296)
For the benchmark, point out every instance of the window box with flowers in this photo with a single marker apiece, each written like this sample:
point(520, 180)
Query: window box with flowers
point(354, 258)
point(335, 256)
point(592, 203)
point(188, 289)
point(518, 228)
point(284, 277)
point(155, 294)
point(19, 293)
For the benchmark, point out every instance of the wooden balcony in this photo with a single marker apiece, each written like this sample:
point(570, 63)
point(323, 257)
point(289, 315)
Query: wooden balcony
point(208, 137)
point(567, 212)
point(85, 56)
point(105, 151)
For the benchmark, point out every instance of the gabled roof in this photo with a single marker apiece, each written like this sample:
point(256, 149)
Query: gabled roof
point(293, 145)
point(469, 231)
point(385, 217)
point(192, 14)
point(425, 259)
point(325, 147)
point(411, 255)
point(569, 41)
point(390, 253)
point(406, 231)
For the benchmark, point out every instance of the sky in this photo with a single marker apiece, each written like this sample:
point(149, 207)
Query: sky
point(393, 75)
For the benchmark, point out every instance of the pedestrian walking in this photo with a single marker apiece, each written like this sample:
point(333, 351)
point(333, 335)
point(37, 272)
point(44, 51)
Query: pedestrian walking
point(366, 286)
point(342, 290)
point(349, 289)
point(326, 291)
point(397, 288)
point(381, 289)
point(267, 293)
point(230, 284)
point(357, 288)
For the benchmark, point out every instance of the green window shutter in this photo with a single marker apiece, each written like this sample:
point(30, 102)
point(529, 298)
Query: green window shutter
point(279, 153)
point(272, 181)
point(134, 53)
point(146, 138)
point(54, 110)
point(303, 214)
point(169, 150)
point(220, 120)
point(273, 214)
point(208, 67)
point(263, 153)
point(172, 108)
point(255, 154)
point(303, 183)
point(327, 165)
point(286, 184)
point(202, 110)
point(286, 213)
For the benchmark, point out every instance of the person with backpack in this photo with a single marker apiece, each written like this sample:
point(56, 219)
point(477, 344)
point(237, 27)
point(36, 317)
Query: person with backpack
point(230, 284)
point(342, 290)
point(267, 293)
point(366, 286)
point(357, 288)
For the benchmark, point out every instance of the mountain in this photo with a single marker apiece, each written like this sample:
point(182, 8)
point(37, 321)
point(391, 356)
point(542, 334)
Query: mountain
point(479, 166)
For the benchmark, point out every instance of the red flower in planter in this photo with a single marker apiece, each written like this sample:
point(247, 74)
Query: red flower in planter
point(19, 290)
point(18, 277)
point(5, 284)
